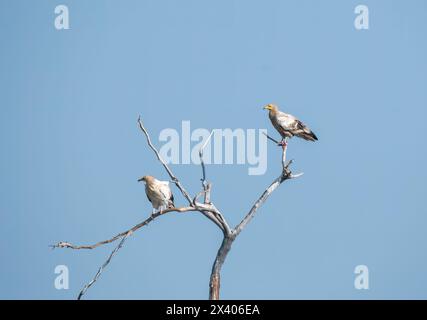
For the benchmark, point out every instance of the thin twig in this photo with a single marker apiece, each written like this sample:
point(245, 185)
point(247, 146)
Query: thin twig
point(207, 189)
point(272, 139)
point(202, 162)
point(273, 186)
point(286, 174)
point(101, 269)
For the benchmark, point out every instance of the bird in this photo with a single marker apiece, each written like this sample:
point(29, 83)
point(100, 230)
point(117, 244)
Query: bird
point(158, 193)
point(288, 125)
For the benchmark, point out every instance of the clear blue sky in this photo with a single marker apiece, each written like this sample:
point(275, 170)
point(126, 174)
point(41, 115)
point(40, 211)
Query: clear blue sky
point(71, 151)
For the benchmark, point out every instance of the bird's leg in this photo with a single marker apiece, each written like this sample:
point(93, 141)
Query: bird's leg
point(283, 143)
point(162, 208)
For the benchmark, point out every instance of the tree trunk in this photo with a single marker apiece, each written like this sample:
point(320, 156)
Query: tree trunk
point(215, 280)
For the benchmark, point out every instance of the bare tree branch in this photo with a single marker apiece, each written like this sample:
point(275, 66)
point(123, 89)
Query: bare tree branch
point(286, 174)
point(272, 139)
point(202, 162)
point(208, 193)
point(210, 208)
point(209, 212)
point(64, 244)
point(273, 186)
point(98, 273)
point(207, 189)
point(123, 236)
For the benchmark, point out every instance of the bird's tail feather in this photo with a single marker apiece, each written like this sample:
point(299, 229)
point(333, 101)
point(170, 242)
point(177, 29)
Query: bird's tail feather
point(313, 135)
point(310, 136)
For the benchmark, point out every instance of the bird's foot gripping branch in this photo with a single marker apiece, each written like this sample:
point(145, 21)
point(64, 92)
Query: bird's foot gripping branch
point(163, 199)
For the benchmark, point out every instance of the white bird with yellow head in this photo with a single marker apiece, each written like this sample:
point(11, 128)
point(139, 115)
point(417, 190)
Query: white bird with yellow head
point(287, 125)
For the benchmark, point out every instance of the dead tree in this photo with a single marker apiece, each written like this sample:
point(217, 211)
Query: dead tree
point(207, 208)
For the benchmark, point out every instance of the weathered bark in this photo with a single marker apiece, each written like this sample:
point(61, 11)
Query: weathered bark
point(215, 280)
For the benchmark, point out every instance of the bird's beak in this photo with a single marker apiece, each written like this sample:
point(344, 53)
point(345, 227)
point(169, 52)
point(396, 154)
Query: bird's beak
point(266, 108)
point(141, 179)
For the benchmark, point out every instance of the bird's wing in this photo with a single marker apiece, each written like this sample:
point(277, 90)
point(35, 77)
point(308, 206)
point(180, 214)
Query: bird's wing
point(291, 123)
point(286, 121)
point(301, 126)
point(301, 130)
point(287, 125)
point(165, 190)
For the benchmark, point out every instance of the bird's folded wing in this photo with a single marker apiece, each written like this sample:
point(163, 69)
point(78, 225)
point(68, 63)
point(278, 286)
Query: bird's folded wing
point(165, 190)
point(285, 120)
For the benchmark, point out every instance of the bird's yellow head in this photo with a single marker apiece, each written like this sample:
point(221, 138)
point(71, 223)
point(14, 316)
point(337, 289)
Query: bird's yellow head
point(145, 179)
point(271, 107)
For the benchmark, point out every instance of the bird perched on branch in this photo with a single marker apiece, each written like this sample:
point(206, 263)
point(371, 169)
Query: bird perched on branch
point(158, 192)
point(287, 125)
